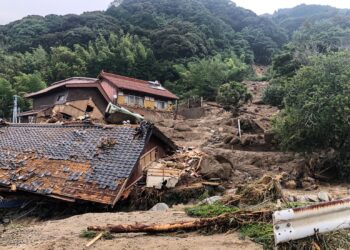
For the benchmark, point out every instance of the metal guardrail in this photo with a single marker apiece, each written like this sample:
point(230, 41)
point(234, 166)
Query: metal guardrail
point(298, 223)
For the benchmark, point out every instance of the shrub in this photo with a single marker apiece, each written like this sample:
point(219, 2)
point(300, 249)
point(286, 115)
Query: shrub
point(233, 94)
point(261, 233)
point(274, 95)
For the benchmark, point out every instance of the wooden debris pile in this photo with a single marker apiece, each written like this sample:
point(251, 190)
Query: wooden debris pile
point(176, 170)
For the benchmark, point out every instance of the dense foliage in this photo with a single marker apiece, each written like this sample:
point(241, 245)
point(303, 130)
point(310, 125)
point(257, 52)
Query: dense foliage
point(203, 77)
point(317, 106)
point(172, 29)
point(193, 46)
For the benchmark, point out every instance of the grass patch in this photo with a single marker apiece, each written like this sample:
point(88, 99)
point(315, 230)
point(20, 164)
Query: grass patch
point(92, 234)
point(261, 233)
point(296, 204)
point(88, 234)
point(207, 211)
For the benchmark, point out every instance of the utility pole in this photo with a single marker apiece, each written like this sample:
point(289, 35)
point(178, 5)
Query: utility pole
point(15, 109)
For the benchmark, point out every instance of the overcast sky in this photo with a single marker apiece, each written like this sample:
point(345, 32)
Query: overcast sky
point(11, 10)
point(269, 6)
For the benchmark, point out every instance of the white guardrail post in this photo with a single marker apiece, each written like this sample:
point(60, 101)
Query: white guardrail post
point(298, 223)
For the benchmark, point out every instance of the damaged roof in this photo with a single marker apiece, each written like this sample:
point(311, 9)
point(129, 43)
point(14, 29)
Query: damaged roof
point(77, 162)
point(128, 83)
point(74, 82)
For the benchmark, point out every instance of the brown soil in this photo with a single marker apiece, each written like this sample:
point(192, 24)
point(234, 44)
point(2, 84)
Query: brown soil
point(252, 157)
point(64, 234)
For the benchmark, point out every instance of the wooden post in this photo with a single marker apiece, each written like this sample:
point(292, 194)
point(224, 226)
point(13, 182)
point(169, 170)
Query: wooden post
point(239, 129)
point(176, 110)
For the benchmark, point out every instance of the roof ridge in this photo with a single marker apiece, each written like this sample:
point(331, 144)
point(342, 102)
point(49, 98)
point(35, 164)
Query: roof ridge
point(74, 78)
point(124, 77)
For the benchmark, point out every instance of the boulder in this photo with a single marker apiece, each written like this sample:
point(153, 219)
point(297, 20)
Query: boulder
point(182, 127)
point(160, 207)
point(211, 200)
point(167, 123)
point(312, 198)
point(211, 168)
point(323, 196)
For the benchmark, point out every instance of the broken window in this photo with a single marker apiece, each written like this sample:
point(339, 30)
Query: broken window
point(89, 109)
point(66, 116)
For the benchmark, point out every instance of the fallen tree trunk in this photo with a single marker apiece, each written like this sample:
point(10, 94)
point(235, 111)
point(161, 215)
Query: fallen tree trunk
point(227, 220)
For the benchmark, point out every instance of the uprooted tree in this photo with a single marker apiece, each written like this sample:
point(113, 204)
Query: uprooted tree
point(317, 108)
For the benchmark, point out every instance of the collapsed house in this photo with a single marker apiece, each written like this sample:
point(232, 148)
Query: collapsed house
point(78, 162)
point(67, 99)
point(77, 97)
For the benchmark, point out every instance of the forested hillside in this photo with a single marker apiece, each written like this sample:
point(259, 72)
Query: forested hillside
point(292, 19)
point(192, 46)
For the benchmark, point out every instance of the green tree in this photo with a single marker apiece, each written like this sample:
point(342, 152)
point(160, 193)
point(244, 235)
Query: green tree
point(6, 93)
point(233, 95)
point(65, 63)
point(317, 106)
point(27, 83)
point(204, 77)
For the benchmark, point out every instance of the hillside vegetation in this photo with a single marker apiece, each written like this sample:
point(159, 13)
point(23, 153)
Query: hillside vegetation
point(191, 46)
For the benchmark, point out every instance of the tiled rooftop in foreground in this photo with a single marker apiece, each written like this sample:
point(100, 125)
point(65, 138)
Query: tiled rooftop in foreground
point(79, 162)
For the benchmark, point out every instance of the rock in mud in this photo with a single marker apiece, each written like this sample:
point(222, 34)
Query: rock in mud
point(211, 200)
point(211, 168)
point(323, 196)
point(182, 127)
point(312, 198)
point(167, 123)
point(160, 207)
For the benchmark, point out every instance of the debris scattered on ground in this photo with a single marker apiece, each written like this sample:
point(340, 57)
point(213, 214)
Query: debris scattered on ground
point(267, 188)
